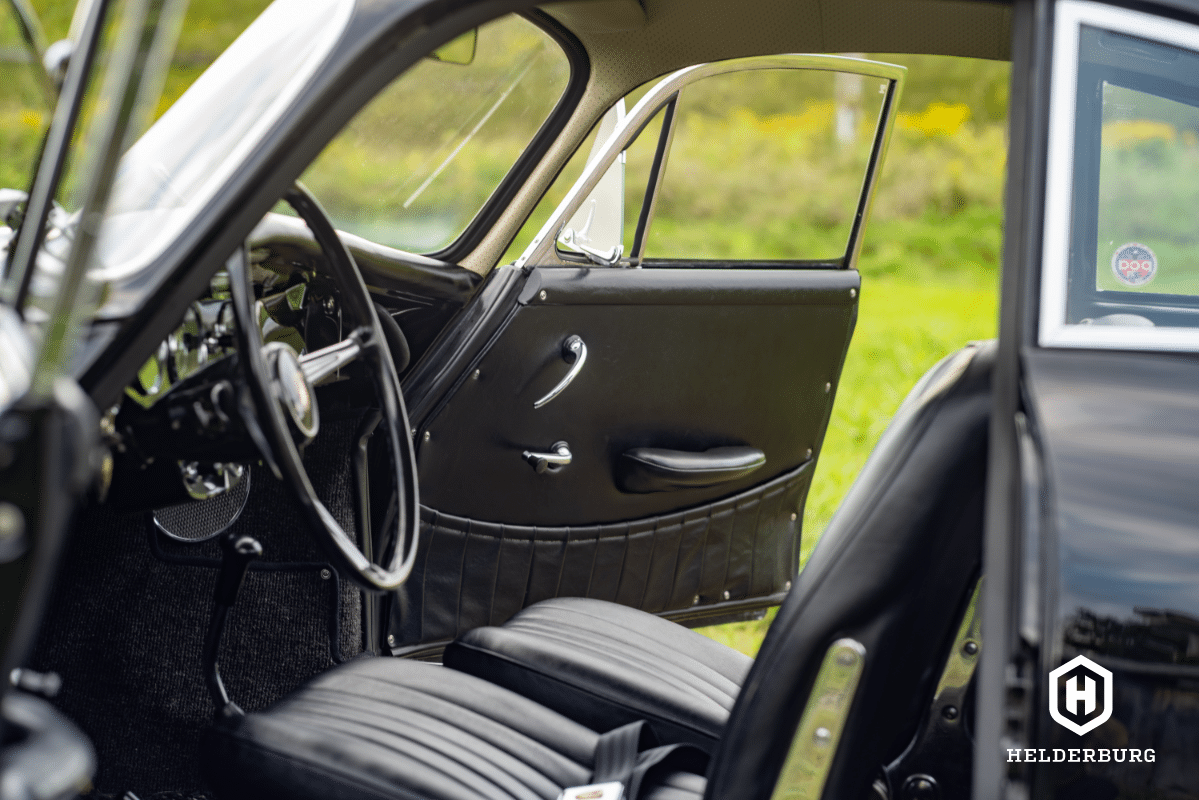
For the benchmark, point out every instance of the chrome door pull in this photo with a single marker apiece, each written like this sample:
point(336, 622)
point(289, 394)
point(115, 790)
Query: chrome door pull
point(549, 462)
point(573, 352)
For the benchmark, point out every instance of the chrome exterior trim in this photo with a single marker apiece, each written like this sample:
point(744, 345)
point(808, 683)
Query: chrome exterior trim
point(808, 762)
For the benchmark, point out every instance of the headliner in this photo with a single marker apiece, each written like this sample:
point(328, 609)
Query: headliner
point(631, 43)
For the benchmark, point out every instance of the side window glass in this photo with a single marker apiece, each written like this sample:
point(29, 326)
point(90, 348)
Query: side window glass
point(1146, 214)
point(595, 229)
point(766, 165)
point(1120, 260)
point(604, 229)
point(616, 211)
point(414, 167)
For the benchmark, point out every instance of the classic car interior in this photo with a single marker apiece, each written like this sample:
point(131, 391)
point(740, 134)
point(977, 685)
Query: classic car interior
point(532, 446)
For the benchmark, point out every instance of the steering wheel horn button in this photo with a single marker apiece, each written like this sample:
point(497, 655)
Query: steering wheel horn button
point(292, 388)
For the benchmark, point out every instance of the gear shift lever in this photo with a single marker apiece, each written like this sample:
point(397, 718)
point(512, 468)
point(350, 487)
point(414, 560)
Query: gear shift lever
point(237, 554)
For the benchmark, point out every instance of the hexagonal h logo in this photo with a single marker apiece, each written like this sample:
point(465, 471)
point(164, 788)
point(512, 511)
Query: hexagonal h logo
point(1080, 695)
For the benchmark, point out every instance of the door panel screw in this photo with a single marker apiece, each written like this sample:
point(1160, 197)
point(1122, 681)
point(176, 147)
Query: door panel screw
point(326, 574)
point(542, 295)
point(970, 648)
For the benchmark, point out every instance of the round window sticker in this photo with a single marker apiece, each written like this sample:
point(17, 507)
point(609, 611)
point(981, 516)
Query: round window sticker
point(1134, 264)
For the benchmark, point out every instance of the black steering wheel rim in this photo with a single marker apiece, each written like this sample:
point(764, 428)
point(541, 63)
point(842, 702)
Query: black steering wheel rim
point(268, 422)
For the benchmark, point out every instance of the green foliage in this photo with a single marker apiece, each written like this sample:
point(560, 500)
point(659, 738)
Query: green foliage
point(982, 86)
point(24, 109)
point(55, 16)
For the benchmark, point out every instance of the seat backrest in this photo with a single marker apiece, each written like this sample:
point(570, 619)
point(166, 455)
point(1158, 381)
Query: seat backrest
point(892, 571)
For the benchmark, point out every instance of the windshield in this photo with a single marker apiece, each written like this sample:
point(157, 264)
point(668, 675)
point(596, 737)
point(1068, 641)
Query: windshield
point(185, 157)
point(416, 164)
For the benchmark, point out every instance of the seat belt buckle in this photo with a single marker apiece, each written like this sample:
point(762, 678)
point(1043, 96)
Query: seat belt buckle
point(613, 790)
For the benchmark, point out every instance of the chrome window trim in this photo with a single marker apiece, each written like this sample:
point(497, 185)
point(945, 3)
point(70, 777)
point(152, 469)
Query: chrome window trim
point(542, 250)
point(1053, 330)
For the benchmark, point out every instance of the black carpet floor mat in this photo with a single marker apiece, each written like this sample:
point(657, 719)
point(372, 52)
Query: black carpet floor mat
point(130, 609)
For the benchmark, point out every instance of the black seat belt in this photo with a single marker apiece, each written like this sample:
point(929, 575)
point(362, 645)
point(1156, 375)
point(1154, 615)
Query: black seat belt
point(625, 755)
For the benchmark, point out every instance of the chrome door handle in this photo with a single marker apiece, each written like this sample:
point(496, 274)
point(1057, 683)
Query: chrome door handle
point(573, 352)
point(549, 462)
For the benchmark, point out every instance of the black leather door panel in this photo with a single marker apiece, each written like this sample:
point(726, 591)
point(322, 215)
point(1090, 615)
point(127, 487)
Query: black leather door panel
point(472, 573)
point(679, 359)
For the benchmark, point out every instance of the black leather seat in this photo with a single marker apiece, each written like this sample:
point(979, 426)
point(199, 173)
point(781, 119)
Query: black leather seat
point(378, 728)
point(604, 665)
point(893, 571)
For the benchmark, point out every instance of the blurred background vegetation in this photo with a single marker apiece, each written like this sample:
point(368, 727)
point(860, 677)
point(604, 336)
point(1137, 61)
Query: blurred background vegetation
point(929, 262)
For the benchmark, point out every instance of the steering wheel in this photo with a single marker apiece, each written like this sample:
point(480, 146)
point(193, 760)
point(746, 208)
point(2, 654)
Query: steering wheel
point(279, 405)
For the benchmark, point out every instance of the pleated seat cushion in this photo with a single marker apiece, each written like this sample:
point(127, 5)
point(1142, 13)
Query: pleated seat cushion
point(385, 728)
point(605, 665)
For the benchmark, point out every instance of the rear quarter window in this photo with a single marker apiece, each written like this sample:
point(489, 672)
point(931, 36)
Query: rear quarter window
point(1120, 265)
